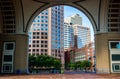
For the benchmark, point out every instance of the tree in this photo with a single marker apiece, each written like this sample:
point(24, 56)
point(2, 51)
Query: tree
point(31, 61)
point(40, 61)
point(83, 64)
point(71, 65)
point(78, 64)
point(57, 63)
point(87, 63)
point(49, 62)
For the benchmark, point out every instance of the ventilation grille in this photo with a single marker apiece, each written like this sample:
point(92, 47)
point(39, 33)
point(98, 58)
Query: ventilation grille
point(114, 16)
point(8, 15)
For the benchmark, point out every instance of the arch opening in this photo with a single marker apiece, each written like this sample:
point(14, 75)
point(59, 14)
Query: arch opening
point(50, 26)
point(80, 8)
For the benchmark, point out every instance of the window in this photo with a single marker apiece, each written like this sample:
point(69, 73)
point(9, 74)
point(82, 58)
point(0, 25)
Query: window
point(41, 41)
point(42, 33)
point(46, 25)
point(41, 50)
point(33, 41)
point(9, 46)
point(33, 33)
point(7, 68)
point(43, 12)
point(29, 50)
point(116, 67)
point(33, 37)
point(38, 20)
point(38, 33)
point(46, 21)
point(37, 41)
point(37, 45)
point(42, 29)
point(7, 58)
point(33, 45)
point(41, 45)
point(37, 50)
point(29, 45)
point(115, 57)
point(38, 16)
point(42, 37)
point(46, 17)
point(42, 16)
point(37, 37)
point(45, 33)
point(46, 29)
point(33, 50)
point(45, 37)
point(45, 41)
point(45, 50)
point(45, 45)
point(114, 44)
point(42, 24)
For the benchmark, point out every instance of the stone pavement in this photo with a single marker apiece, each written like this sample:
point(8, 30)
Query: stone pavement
point(62, 76)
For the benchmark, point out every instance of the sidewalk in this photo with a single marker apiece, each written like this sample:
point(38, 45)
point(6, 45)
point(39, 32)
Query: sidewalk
point(62, 76)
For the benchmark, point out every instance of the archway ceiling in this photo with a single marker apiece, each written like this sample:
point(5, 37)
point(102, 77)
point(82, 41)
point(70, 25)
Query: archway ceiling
point(51, 1)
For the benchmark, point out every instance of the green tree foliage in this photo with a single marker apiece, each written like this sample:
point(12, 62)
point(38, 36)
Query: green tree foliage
point(41, 61)
point(87, 63)
point(71, 65)
point(31, 61)
point(80, 64)
point(57, 63)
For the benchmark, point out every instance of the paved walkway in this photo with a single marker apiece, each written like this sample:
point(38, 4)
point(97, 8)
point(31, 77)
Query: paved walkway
point(62, 76)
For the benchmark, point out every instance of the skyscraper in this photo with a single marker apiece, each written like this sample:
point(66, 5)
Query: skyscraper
point(46, 33)
point(81, 33)
point(74, 19)
point(68, 36)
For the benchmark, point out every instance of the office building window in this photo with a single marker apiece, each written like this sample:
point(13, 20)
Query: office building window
point(45, 45)
point(33, 50)
point(42, 16)
point(38, 16)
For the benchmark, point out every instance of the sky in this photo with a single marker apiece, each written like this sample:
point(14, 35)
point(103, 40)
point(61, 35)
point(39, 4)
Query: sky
point(69, 11)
